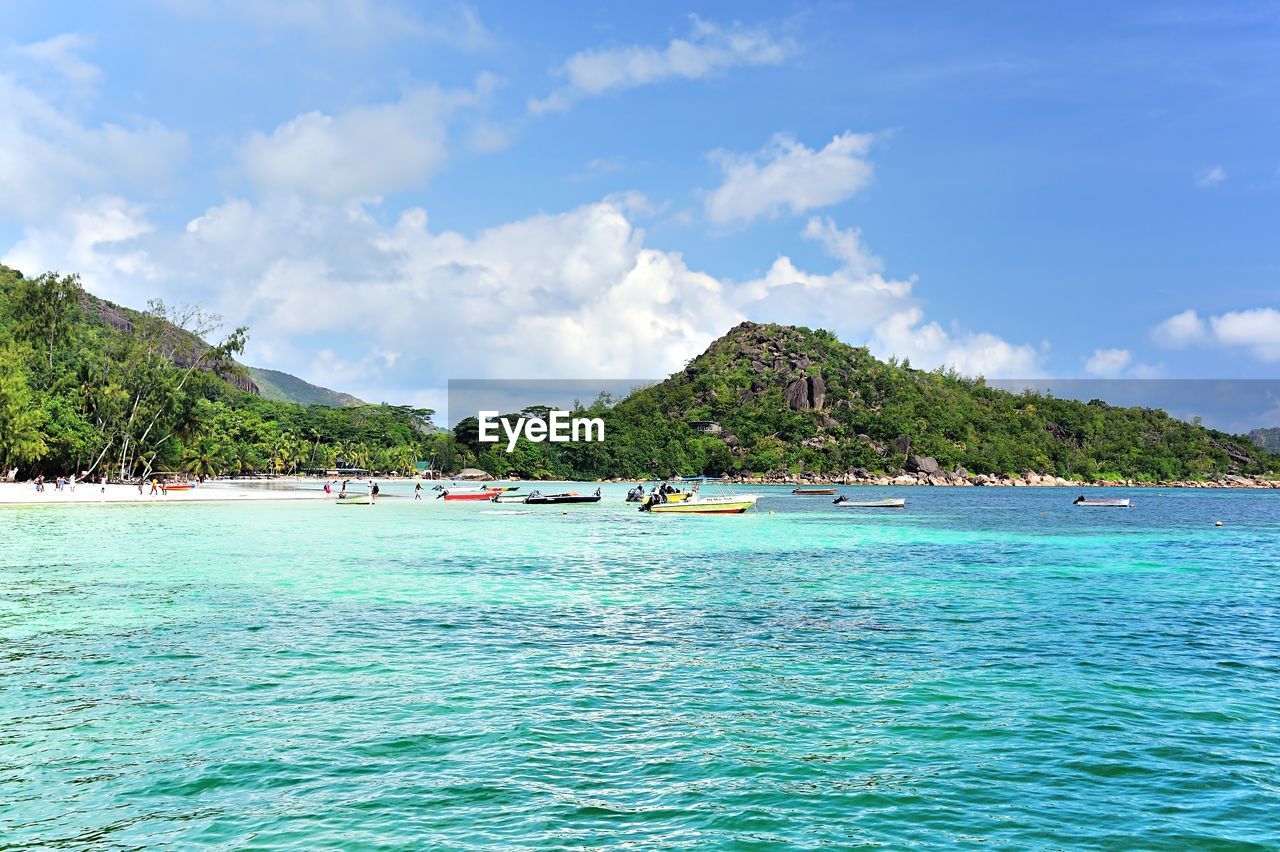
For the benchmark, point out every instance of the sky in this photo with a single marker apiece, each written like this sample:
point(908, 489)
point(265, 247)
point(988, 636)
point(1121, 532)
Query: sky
point(391, 195)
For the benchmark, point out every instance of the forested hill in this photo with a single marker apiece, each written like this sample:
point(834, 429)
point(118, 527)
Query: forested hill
point(790, 398)
point(91, 387)
point(284, 387)
point(783, 400)
point(272, 384)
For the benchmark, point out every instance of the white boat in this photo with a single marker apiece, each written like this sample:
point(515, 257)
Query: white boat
point(694, 503)
point(886, 503)
point(699, 505)
point(1104, 502)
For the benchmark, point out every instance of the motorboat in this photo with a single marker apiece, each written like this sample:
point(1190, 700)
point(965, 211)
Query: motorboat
point(886, 503)
point(693, 502)
point(537, 498)
point(1102, 502)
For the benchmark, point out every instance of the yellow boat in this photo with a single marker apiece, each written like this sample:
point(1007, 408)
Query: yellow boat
point(698, 505)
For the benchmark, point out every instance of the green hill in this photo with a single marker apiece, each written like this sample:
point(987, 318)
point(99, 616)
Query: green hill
point(772, 399)
point(282, 387)
point(91, 387)
point(270, 384)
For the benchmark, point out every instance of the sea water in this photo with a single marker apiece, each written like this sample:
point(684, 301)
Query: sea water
point(987, 666)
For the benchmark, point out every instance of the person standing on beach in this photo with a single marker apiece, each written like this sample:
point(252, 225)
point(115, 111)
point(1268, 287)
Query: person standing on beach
point(71, 483)
point(374, 492)
point(417, 491)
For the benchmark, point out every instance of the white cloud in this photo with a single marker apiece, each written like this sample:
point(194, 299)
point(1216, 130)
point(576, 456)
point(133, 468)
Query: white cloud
point(49, 158)
point(1180, 331)
point(709, 48)
point(928, 345)
point(851, 300)
point(365, 152)
point(577, 293)
point(1211, 176)
point(1256, 329)
point(787, 175)
point(96, 238)
point(1108, 363)
point(61, 54)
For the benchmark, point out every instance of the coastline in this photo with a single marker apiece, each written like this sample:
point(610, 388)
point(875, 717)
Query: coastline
point(1029, 479)
point(24, 493)
point(87, 493)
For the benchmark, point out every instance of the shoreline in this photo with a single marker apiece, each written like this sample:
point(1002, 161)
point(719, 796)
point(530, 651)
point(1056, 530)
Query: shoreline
point(25, 494)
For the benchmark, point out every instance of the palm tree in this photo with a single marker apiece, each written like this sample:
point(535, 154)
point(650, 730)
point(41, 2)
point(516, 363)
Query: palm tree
point(203, 457)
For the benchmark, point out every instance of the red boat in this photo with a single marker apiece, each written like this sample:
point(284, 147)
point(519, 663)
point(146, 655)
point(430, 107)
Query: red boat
point(468, 495)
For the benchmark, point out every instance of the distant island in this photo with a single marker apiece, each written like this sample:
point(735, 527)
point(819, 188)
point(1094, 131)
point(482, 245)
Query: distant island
point(785, 402)
point(91, 387)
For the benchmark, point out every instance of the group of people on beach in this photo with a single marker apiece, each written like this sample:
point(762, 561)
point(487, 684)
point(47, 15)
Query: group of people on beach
point(68, 484)
point(60, 483)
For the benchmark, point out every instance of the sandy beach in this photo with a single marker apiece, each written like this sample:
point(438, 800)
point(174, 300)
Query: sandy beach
point(24, 493)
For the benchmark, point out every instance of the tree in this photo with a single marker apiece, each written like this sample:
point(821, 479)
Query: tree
point(21, 439)
point(204, 457)
point(44, 311)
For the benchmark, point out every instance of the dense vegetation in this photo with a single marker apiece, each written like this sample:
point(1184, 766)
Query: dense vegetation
point(86, 386)
point(792, 400)
point(81, 394)
point(282, 387)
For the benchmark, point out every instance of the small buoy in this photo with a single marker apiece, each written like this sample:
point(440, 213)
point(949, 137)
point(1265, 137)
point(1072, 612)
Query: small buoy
point(1217, 523)
point(770, 511)
point(564, 513)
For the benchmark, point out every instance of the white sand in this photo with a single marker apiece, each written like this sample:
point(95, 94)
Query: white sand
point(88, 493)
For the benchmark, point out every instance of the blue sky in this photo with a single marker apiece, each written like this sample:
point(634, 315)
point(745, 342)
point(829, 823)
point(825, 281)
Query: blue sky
point(391, 195)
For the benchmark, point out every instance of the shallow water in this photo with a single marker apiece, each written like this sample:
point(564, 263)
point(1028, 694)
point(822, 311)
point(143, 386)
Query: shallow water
point(986, 666)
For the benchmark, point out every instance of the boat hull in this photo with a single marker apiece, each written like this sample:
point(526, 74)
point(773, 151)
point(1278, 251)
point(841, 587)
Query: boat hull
point(706, 506)
point(1104, 504)
point(470, 495)
point(562, 500)
point(365, 500)
point(891, 503)
point(813, 492)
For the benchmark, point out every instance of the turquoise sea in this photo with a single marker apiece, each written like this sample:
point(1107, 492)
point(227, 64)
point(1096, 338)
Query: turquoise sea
point(987, 667)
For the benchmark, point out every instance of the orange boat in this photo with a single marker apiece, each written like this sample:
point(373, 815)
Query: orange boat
point(468, 495)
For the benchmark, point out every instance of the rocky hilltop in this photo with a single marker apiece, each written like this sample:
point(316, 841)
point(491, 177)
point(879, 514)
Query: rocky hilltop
point(784, 403)
point(1268, 439)
point(124, 320)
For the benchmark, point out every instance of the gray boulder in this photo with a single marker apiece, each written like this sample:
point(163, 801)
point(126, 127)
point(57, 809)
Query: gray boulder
point(921, 464)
